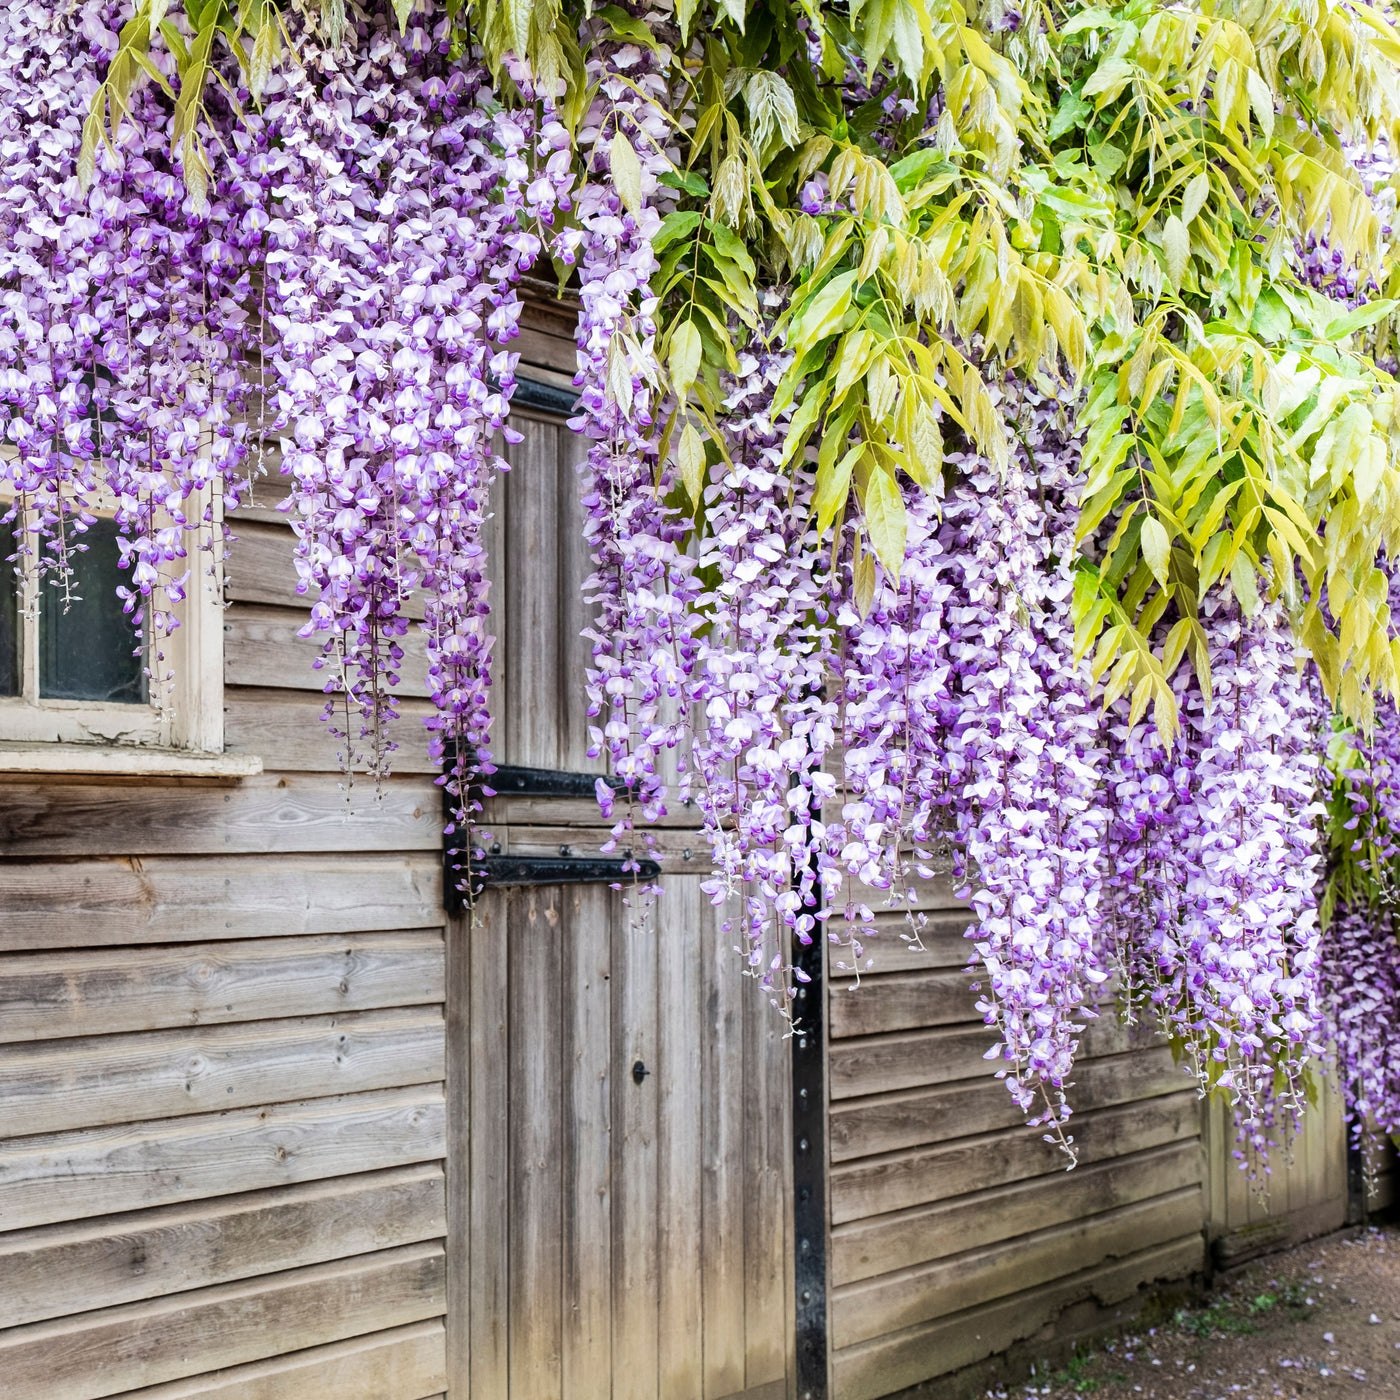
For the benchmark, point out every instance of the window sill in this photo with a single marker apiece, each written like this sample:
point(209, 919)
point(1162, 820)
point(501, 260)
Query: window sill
point(124, 761)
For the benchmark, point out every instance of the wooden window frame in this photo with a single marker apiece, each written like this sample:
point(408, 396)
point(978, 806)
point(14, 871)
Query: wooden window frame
point(183, 736)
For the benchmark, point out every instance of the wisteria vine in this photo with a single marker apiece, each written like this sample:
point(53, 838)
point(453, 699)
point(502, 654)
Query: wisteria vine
point(845, 681)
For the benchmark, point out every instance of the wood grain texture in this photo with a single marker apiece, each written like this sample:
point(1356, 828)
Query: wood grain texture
point(286, 729)
point(942, 942)
point(261, 568)
point(45, 996)
point(889, 1122)
point(682, 934)
point(263, 647)
point(105, 1352)
point(896, 1001)
point(903, 1298)
point(587, 1176)
point(907, 1059)
point(74, 1176)
point(766, 1098)
point(124, 900)
point(403, 1363)
point(888, 1364)
point(723, 1184)
point(57, 1086)
point(863, 1249)
point(260, 815)
point(895, 1181)
point(488, 1208)
point(635, 1121)
point(457, 1167)
point(114, 1259)
point(536, 1118)
point(531, 581)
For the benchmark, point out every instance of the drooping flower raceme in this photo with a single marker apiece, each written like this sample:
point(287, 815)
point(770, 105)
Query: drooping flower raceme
point(1225, 942)
point(1022, 774)
point(644, 583)
point(402, 207)
point(123, 330)
point(759, 682)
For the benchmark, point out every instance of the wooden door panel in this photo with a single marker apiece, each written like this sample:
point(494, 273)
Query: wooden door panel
point(627, 1239)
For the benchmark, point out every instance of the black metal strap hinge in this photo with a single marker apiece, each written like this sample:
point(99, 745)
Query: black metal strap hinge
point(495, 869)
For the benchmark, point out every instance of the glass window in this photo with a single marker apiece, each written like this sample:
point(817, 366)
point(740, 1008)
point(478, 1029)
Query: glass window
point(9, 614)
point(90, 650)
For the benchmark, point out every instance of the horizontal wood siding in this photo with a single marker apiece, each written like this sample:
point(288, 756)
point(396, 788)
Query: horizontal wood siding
point(956, 1231)
point(222, 1055)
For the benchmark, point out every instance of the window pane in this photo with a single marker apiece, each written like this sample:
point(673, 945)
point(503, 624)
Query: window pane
point(89, 652)
point(9, 614)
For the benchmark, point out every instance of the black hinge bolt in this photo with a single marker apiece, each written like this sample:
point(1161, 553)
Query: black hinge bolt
point(639, 1072)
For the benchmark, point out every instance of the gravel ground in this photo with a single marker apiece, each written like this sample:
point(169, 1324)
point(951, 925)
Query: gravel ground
point(1320, 1320)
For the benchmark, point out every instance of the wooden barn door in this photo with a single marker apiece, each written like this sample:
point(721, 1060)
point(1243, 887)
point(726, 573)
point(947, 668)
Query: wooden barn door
point(618, 1184)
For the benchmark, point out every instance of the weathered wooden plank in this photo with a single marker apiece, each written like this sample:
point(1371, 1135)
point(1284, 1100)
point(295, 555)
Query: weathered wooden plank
point(102, 1353)
point(56, 1086)
point(540, 348)
point(935, 895)
point(906, 1297)
point(881, 1064)
point(460, 1246)
point(724, 1188)
point(942, 943)
point(897, 1001)
point(889, 1122)
point(575, 613)
point(263, 646)
point(265, 814)
point(772, 1390)
point(261, 568)
point(532, 583)
point(877, 1064)
point(635, 1116)
point(490, 942)
point(889, 1364)
point(404, 1363)
point(57, 1270)
point(53, 995)
point(862, 1249)
point(586, 1343)
point(495, 534)
point(685, 926)
point(74, 1176)
point(874, 1186)
point(181, 899)
point(286, 729)
point(766, 1098)
point(535, 1131)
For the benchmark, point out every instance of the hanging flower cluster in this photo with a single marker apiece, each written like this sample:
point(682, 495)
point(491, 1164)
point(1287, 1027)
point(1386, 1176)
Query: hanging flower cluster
point(644, 585)
point(756, 765)
point(123, 324)
point(401, 206)
point(1217, 859)
point(1361, 983)
point(803, 269)
point(1023, 757)
point(1360, 951)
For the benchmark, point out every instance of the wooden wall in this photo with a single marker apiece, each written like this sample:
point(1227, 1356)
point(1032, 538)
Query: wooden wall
point(956, 1231)
point(273, 1128)
point(222, 1112)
